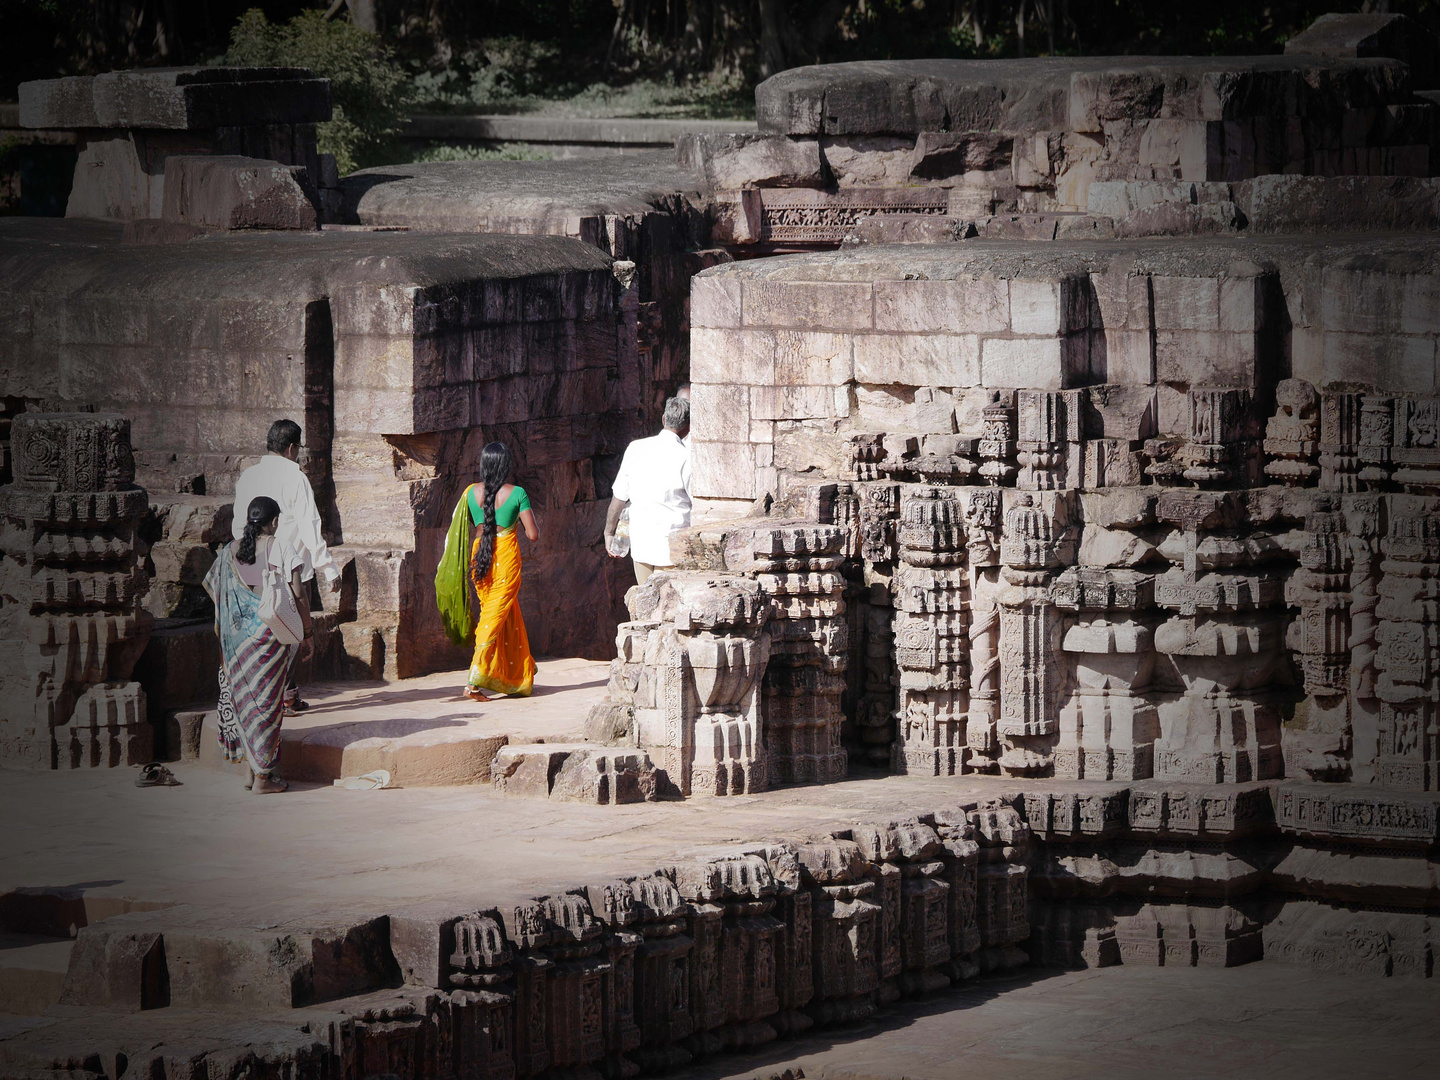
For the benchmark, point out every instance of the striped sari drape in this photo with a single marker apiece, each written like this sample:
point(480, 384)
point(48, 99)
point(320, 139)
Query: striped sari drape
point(253, 669)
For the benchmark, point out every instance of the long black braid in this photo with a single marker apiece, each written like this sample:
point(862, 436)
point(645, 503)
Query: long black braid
point(494, 471)
point(263, 510)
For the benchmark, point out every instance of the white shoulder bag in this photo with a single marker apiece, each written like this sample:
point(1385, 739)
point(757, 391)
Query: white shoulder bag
point(278, 609)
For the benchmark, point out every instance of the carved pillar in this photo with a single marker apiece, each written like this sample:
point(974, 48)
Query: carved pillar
point(575, 1006)
point(931, 650)
point(1364, 526)
point(71, 626)
point(875, 710)
point(1291, 436)
point(1321, 747)
point(1408, 658)
point(959, 855)
point(794, 946)
point(911, 849)
point(1377, 441)
point(1049, 431)
point(484, 1004)
point(996, 447)
point(744, 985)
point(614, 905)
point(690, 666)
point(1339, 441)
point(1219, 650)
point(983, 519)
point(1107, 725)
point(662, 973)
point(844, 926)
point(1001, 910)
point(797, 566)
point(1036, 542)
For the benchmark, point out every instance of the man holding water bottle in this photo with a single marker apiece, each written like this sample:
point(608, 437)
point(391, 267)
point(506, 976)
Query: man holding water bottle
point(654, 484)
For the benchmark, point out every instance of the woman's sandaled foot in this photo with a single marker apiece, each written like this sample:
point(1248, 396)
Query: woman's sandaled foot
point(476, 695)
point(269, 785)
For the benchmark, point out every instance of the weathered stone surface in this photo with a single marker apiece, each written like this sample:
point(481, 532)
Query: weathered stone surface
point(224, 192)
point(183, 99)
point(1346, 35)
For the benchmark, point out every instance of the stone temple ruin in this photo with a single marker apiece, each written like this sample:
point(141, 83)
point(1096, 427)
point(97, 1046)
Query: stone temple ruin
point(1063, 426)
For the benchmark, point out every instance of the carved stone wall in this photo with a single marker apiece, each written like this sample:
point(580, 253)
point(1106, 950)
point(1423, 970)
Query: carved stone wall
point(1110, 542)
point(71, 579)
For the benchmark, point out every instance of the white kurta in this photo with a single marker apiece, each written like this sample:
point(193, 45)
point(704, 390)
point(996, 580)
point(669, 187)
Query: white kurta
point(654, 479)
point(282, 480)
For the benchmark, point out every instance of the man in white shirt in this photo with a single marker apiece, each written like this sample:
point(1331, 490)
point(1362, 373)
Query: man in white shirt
point(279, 476)
point(654, 482)
point(684, 393)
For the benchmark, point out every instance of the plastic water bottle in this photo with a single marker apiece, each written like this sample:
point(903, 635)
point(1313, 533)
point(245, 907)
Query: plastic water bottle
point(620, 543)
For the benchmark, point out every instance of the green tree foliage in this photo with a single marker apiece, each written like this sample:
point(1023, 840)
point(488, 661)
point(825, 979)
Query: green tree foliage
point(369, 90)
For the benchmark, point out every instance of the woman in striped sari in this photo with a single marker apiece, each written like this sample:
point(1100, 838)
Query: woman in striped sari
point(482, 553)
point(254, 664)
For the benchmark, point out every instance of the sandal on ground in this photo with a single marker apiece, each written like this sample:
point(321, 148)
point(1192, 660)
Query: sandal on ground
point(371, 781)
point(156, 775)
point(296, 706)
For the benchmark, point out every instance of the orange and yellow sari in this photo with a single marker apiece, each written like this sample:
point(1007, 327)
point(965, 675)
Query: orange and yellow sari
point(502, 662)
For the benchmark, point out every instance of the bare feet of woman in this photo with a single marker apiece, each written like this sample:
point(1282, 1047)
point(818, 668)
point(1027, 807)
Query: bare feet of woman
point(476, 695)
point(269, 785)
point(249, 778)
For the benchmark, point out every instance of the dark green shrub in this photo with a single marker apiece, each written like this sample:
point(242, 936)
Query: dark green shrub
point(368, 88)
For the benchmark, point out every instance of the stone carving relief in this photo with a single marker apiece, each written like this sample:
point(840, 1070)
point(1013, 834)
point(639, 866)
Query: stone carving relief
point(71, 582)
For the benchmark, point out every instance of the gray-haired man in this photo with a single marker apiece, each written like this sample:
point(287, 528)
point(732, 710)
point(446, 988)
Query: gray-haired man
point(654, 482)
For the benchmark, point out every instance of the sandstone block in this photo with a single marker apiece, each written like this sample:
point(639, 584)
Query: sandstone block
point(224, 192)
point(1365, 35)
point(177, 99)
point(804, 357)
point(722, 470)
point(976, 305)
point(940, 154)
point(1049, 363)
point(730, 162)
point(919, 359)
point(808, 305)
point(714, 301)
point(118, 966)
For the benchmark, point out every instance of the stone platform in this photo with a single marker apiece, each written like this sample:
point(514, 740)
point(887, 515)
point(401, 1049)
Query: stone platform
point(423, 731)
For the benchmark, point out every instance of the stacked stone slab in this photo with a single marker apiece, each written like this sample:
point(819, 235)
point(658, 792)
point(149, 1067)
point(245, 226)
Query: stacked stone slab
point(638, 208)
point(70, 612)
point(129, 123)
point(922, 148)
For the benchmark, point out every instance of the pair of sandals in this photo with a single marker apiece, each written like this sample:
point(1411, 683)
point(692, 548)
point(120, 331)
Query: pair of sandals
point(156, 775)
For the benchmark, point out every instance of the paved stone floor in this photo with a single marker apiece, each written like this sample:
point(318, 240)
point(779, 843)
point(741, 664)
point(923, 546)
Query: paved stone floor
point(1262, 1020)
point(423, 731)
point(318, 852)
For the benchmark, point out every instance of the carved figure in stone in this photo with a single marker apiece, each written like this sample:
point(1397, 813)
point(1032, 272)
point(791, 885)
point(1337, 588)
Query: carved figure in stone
point(71, 626)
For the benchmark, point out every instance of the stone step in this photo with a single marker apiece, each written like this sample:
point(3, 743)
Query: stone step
point(32, 972)
point(424, 732)
point(575, 772)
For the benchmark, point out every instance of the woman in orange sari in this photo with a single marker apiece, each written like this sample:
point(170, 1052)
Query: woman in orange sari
point(482, 552)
